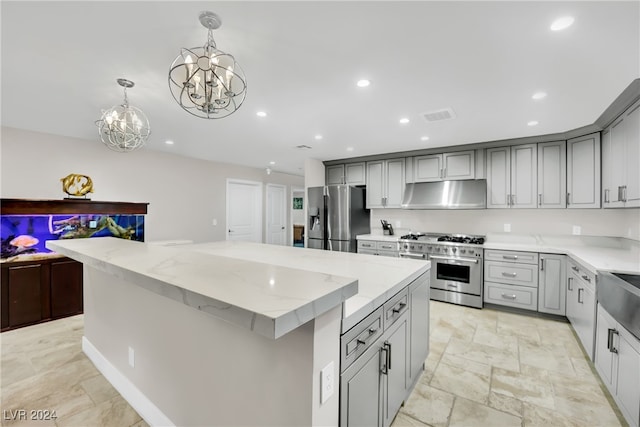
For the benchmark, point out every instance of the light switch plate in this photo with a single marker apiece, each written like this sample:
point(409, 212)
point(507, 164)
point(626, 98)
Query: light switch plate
point(577, 230)
point(507, 228)
point(327, 382)
point(132, 358)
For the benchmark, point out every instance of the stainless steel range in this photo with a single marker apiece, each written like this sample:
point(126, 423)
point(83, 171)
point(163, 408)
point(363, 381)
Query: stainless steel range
point(456, 264)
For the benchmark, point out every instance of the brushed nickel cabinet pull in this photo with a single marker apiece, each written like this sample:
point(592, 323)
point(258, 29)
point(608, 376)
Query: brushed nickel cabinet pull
point(505, 274)
point(512, 296)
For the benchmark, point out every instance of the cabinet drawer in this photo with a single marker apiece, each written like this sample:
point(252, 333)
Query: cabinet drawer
point(358, 339)
point(395, 307)
point(366, 244)
point(511, 295)
point(393, 254)
point(581, 274)
point(512, 273)
point(388, 246)
point(511, 256)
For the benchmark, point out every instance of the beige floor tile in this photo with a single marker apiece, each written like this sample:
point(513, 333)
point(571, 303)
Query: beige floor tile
point(461, 382)
point(404, 420)
point(535, 390)
point(466, 364)
point(429, 405)
point(467, 413)
point(115, 412)
point(140, 423)
point(537, 416)
point(552, 358)
point(493, 339)
point(16, 367)
point(507, 404)
point(99, 389)
point(483, 354)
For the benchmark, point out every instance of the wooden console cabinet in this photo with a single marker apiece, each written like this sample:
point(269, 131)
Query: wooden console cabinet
point(48, 287)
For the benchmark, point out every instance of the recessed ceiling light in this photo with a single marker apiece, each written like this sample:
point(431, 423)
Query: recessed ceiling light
point(562, 23)
point(363, 83)
point(261, 114)
point(532, 123)
point(539, 95)
point(424, 138)
point(272, 162)
point(404, 121)
point(349, 148)
point(318, 137)
point(168, 142)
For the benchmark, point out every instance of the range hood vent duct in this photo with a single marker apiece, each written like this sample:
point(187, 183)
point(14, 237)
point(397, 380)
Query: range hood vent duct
point(464, 194)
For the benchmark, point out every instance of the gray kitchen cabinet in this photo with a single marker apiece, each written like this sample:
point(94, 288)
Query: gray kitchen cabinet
point(617, 360)
point(385, 183)
point(620, 159)
point(551, 290)
point(349, 173)
point(419, 328)
point(445, 166)
point(581, 304)
point(361, 390)
point(511, 279)
point(583, 172)
point(394, 380)
point(512, 177)
point(382, 248)
point(552, 175)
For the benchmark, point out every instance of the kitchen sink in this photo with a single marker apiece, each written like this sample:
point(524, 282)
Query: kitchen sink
point(619, 294)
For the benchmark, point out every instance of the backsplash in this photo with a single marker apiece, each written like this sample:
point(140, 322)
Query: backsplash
point(589, 222)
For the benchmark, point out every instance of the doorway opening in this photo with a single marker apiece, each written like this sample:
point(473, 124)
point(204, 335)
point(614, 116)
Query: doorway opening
point(297, 217)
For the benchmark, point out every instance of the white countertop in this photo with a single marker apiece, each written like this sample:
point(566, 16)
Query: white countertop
point(269, 289)
point(595, 253)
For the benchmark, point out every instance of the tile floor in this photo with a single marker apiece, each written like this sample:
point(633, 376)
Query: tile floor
point(485, 368)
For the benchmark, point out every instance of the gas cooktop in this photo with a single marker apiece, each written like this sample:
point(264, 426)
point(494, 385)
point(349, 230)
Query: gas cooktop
point(441, 237)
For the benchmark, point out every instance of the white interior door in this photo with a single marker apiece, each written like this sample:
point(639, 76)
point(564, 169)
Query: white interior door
point(276, 214)
point(244, 210)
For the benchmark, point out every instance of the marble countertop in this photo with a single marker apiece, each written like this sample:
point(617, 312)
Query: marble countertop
point(269, 289)
point(379, 278)
point(596, 253)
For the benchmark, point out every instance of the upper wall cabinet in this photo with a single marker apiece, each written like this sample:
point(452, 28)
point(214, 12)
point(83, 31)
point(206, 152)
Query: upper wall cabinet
point(349, 173)
point(385, 183)
point(512, 177)
point(446, 166)
point(620, 160)
point(583, 172)
point(552, 174)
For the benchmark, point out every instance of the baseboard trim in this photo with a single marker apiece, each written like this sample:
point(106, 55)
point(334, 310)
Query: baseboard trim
point(147, 410)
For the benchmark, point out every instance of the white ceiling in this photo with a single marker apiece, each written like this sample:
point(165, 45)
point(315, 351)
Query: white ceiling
point(60, 62)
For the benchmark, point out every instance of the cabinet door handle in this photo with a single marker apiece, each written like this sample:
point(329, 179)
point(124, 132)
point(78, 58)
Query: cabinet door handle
point(441, 175)
point(399, 308)
point(512, 257)
point(539, 199)
point(574, 268)
point(619, 193)
point(606, 195)
point(444, 173)
point(569, 287)
point(511, 297)
point(387, 344)
point(505, 274)
point(541, 264)
point(568, 199)
point(580, 291)
point(508, 199)
point(586, 278)
point(610, 346)
point(624, 193)
point(513, 200)
point(384, 369)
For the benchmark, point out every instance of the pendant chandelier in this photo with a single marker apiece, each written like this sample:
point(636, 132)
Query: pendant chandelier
point(206, 81)
point(123, 127)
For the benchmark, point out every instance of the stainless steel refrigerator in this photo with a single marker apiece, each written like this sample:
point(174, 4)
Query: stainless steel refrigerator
point(336, 215)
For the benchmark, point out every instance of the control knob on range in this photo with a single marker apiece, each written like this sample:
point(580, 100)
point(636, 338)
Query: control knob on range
point(462, 251)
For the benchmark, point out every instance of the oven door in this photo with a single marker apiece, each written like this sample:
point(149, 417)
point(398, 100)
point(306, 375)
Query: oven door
point(456, 274)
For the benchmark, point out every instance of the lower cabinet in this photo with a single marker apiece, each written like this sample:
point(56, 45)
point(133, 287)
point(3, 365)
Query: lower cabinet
point(36, 291)
point(617, 360)
point(581, 304)
point(379, 370)
point(511, 278)
point(376, 247)
point(551, 290)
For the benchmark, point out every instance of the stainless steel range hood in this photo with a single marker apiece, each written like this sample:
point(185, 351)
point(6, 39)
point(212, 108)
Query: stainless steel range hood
point(464, 194)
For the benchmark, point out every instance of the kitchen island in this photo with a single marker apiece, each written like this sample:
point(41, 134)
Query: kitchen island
point(232, 333)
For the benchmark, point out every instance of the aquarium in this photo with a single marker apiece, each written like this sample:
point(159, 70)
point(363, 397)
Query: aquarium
point(27, 234)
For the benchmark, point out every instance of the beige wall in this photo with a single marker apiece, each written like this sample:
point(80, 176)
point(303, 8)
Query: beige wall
point(184, 194)
point(593, 222)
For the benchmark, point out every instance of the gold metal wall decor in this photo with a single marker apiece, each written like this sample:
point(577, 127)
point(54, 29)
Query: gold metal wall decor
point(77, 185)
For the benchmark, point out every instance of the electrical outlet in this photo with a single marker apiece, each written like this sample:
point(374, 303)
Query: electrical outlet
point(326, 383)
point(577, 230)
point(214, 222)
point(132, 358)
point(507, 228)
point(398, 224)
point(93, 224)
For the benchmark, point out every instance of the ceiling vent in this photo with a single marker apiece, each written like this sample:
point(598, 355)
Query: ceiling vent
point(439, 115)
point(303, 147)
